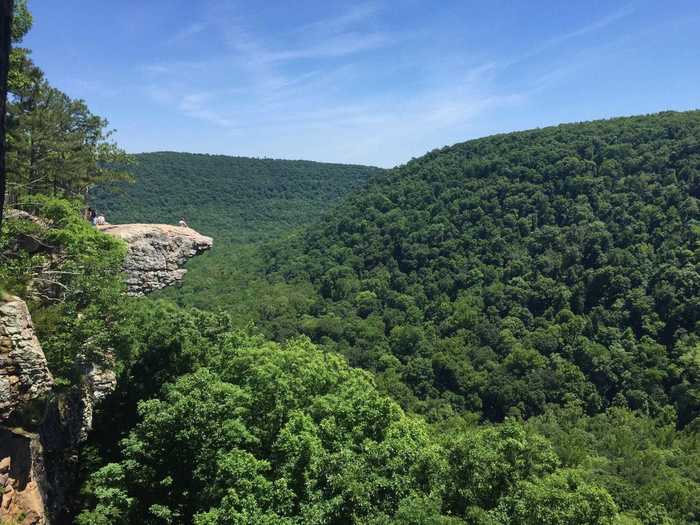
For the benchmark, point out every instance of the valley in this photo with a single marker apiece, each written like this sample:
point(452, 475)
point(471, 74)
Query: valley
point(544, 276)
point(500, 331)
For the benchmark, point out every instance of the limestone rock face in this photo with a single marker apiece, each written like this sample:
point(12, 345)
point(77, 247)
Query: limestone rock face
point(24, 373)
point(156, 253)
point(24, 377)
point(65, 427)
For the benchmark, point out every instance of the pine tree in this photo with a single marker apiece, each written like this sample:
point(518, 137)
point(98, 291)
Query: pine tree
point(55, 145)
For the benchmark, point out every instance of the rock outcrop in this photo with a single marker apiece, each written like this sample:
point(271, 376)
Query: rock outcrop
point(156, 253)
point(24, 373)
point(25, 381)
point(98, 382)
point(40, 431)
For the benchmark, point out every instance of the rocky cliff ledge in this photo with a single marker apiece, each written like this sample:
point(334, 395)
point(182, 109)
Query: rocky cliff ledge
point(24, 373)
point(157, 253)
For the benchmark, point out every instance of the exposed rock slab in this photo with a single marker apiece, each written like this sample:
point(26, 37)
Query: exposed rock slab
point(39, 466)
point(66, 425)
point(156, 253)
point(24, 373)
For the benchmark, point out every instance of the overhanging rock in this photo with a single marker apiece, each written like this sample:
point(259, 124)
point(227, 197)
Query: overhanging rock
point(157, 253)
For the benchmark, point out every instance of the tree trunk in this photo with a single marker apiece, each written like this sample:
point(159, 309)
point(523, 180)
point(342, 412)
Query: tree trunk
point(5, 40)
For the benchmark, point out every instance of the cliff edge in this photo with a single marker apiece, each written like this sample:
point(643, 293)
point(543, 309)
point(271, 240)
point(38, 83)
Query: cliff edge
point(156, 253)
point(24, 378)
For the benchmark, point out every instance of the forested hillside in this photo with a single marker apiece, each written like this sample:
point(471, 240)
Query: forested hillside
point(551, 276)
point(503, 274)
point(234, 199)
point(548, 277)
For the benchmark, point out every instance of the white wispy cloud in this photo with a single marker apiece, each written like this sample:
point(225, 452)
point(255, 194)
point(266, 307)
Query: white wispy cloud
point(172, 67)
point(188, 32)
point(581, 57)
point(341, 45)
point(341, 22)
point(197, 105)
point(563, 68)
point(277, 117)
point(596, 25)
point(294, 94)
point(333, 38)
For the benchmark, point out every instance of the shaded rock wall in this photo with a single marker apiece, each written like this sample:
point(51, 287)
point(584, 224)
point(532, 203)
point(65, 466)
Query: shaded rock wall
point(22, 478)
point(41, 431)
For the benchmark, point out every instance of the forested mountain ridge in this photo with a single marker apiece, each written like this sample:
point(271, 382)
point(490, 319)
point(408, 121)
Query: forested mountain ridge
point(546, 278)
point(235, 199)
point(507, 273)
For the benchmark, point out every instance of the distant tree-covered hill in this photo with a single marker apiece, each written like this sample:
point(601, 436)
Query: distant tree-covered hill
point(551, 275)
point(237, 200)
point(234, 199)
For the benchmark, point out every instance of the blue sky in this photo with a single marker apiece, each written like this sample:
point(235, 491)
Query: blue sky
point(374, 82)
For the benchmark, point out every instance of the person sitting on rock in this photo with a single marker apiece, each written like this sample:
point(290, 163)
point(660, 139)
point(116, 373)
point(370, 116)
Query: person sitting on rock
point(100, 220)
point(183, 223)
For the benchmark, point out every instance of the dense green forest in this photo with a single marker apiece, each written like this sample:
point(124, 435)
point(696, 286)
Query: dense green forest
point(549, 276)
point(211, 424)
point(501, 332)
point(233, 199)
point(503, 274)
point(239, 201)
